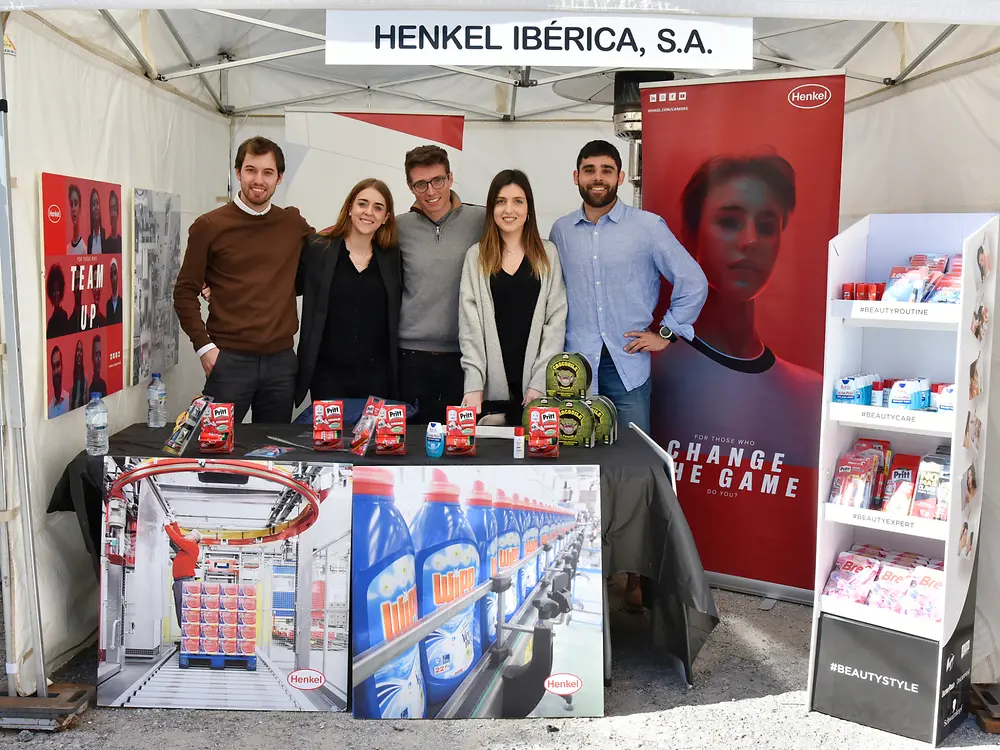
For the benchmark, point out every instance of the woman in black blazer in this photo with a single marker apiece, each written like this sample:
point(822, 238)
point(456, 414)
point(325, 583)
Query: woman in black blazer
point(351, 285)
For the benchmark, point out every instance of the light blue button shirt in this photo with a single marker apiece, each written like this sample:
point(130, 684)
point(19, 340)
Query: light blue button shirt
point(612, 271)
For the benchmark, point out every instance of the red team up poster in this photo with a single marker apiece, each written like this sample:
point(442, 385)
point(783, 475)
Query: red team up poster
point(747, 176)
point(82, 256)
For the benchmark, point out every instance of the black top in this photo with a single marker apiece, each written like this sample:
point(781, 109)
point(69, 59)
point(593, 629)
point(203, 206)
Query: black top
point(514, 298)
point(319, 279)
point(356, 334)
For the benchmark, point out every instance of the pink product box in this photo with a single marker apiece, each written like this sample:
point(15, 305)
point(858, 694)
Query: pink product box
point(248, 603)
point(228, 603)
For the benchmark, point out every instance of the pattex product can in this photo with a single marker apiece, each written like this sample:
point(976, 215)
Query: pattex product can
point(605, 419)
point(447, 565)
point(383, 598)
point(568, 375)
point(508, 549)
point(576, 424)
point(482, 518)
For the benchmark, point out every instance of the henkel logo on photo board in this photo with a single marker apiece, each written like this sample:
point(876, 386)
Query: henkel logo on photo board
point(563, 683)
point(809, 96)
point(306, 679)
point(54, 213)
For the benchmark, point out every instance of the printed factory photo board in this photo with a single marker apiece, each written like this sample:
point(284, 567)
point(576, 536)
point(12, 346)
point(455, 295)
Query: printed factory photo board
point(225, 585)
point(755, 200)
point(442, 558)
point(155, 263)
point(82, 262)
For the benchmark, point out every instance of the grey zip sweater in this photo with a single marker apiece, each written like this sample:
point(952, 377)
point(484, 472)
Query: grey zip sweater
point(432, 254)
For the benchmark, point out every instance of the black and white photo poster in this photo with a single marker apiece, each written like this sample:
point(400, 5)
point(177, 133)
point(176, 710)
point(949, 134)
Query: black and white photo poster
point(156, 261)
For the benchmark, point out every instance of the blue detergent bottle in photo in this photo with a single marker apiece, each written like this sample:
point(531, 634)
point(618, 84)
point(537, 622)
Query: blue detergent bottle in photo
point(447, 568)
point(529, 531)
point(508, 549)
point(482, 518)
point(384, 602)
point(543, 537)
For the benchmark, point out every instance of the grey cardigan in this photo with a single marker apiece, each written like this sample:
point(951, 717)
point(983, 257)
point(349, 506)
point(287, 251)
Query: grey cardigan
point(482, 360)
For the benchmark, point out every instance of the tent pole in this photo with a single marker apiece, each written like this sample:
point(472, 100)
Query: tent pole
point(861, 44)
point(14, 393)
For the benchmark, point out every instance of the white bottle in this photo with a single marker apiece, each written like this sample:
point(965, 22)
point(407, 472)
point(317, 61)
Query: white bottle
point(96, 418)
point(518, 442)
point(156, 403)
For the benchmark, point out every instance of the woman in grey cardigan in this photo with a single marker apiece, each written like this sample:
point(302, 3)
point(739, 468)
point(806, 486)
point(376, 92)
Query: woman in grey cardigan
point(512, 308)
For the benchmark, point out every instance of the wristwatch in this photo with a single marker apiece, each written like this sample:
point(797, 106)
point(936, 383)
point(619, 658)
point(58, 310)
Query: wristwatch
point(666, 333)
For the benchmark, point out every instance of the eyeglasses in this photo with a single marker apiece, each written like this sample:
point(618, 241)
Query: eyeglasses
point(421, 185)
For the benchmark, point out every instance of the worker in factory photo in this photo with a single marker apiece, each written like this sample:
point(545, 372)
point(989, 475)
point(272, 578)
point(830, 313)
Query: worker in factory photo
point(186, 560)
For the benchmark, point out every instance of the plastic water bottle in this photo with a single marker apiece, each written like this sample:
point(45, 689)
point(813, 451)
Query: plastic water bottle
point(96, 417)
point(156, 403)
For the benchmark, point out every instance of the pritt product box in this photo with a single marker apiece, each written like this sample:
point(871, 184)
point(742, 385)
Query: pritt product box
point(543, 431)
point(390, 432)
point(328, 425)
point(460, 431)
point(217, 429)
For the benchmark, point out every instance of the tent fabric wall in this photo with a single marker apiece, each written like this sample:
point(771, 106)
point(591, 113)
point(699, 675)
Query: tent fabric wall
point(74, 113)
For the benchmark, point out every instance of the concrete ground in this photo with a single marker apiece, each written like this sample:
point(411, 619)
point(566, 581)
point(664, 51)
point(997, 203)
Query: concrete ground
point(749, 693)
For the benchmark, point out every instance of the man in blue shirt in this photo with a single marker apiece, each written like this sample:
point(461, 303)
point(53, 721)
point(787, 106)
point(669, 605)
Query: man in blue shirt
point(613, 256)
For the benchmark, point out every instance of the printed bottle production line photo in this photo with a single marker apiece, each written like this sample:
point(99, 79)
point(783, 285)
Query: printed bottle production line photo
point(477, 592)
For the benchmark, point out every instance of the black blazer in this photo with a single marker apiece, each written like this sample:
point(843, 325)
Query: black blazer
point(315, 275)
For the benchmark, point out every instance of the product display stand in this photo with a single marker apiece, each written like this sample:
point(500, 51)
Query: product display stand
point(891, 668)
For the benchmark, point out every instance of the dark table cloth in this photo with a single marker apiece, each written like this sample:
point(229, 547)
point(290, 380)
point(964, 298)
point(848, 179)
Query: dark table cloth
point(643, 527)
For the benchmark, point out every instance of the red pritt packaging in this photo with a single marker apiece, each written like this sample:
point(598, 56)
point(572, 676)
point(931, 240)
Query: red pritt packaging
point(898, 495)
point(543, 431)
point(460, 431)
point(390, 432)
point(328, 425)
point(217, 429)
point(882, 447)
point(365, 428)
point(854, 480)
point(847, 291)
point(861, 292)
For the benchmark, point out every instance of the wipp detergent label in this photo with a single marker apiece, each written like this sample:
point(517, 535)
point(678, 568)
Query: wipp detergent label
point(392, 609)
point(448, 574)
point(491, 598)
point(530, 571)
point(508, 554)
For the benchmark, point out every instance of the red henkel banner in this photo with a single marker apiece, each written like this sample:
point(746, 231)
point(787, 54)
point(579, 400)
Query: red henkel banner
point(746, 173)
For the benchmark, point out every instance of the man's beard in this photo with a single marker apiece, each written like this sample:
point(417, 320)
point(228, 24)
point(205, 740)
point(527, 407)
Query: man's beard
point(593, 202)
point(250, 200)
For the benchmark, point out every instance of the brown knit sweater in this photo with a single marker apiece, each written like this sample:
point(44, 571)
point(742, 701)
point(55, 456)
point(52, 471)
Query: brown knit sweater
point(249, 262)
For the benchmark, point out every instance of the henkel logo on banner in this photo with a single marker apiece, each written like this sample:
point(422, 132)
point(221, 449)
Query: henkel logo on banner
point(306, 679)
point(563, 683)
point(809, 96)
point(394, 37)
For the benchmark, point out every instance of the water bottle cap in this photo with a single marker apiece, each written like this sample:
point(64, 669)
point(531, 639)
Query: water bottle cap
point(440, 490)
point(156, 374)
point(373, 480)
point(480, 498)
point(95, 394)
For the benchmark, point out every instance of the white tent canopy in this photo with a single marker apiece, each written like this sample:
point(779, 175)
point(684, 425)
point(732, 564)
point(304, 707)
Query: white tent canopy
point(160, 96)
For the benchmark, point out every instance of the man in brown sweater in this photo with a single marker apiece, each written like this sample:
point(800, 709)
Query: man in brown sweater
point(247, 252)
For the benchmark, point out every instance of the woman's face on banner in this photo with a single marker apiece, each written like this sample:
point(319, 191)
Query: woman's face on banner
point(511, 209)
point(368, 212)
point(739, 236)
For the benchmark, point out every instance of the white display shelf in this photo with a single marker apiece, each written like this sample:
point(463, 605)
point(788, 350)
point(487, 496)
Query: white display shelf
point(930, 316)
point(928, 528)
point(882, 618)
point(910, 421)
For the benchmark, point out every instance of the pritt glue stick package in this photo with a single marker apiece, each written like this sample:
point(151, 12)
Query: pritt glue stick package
point(328, 425)
point(390, 431)
point(852, 577)
point(364, 430)
point(217, 429)
point(460, 431)
point(543, 431)
point(898, 496)
point(854, 480)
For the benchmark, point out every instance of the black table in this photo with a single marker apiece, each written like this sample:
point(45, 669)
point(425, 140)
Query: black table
point(643, 527)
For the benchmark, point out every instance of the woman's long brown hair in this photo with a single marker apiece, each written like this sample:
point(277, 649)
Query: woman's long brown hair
point(385, 236)
point(491, 246)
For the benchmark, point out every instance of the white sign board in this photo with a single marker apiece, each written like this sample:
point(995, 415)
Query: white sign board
point(564, 39)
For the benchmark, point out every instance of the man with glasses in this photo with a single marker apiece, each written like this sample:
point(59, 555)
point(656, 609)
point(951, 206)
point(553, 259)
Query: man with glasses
point(434, 237)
